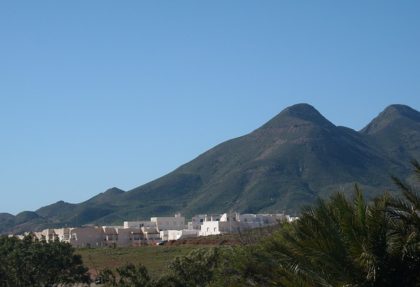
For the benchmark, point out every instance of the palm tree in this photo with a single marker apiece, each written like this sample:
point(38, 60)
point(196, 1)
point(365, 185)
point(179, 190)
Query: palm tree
point(336, 243)
point(343, 242)
point(405, 231)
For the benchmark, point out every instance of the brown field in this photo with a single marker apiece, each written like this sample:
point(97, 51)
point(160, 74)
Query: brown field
point(155, 258)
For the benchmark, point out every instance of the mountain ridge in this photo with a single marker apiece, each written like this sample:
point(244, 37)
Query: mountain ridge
point(391, 114)
point(294, 158)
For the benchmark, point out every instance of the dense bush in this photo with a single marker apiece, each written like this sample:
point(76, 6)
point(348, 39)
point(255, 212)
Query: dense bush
point(194, 270)
point(30, 262)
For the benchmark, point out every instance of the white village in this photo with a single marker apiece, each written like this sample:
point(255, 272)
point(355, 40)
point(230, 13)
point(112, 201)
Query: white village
point(158, 230)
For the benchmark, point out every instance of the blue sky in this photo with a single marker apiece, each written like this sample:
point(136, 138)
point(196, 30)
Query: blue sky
point(96, 94)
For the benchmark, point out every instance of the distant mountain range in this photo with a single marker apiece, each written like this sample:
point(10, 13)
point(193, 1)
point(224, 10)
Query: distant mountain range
point(288, 162)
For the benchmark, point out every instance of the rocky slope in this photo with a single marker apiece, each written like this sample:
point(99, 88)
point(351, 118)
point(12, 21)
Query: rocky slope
point(288, 162)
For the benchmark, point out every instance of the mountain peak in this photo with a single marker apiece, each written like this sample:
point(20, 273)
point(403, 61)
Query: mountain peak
point(402, 110)
point(302, 112)
point(302, 109)
point(390, 115)
point(299, 157)
point(114, 190)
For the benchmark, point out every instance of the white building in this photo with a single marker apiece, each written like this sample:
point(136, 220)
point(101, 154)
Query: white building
point(119, 236)
point(169, 223)
point(235, 222)
point(196, 222)
point(224, 223)
point(137, 233)
point(91, 236)
point(151, 234)
point(86, 237)
point(168, 235)
point(139, 224)
point(176, 222)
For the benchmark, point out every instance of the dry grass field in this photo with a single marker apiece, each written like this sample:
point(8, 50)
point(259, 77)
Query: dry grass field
point(155, 258)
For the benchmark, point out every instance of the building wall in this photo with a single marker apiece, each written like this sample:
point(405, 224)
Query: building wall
point(129, 237)
point(196, 222)
point(63, 234)
point(87, 237)
point(139, 224)
point(210, 228)
point(167, 235)
point(188, 234)
point(169, 223)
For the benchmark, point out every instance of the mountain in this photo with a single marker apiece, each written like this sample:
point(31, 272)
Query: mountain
point(288, 162)
point(397, 131)
point(24, 221)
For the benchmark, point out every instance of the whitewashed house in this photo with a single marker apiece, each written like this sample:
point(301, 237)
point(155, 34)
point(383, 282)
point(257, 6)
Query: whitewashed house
point(225, 223)
point(235, 222)
point(196, 222)
point(167, 235)
point(137, 233)
point(139, 224)
point(86, 237)
point(151, 234)
point(169, 223)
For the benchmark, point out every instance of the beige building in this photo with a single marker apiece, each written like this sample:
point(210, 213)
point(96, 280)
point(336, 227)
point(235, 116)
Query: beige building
point(169, 223)
point(87, 237)
point(117, 236)
point(151, 234)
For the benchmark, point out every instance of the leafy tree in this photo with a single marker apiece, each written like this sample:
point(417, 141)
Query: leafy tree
point(135, 276)
point(107, 277)
point(128, 275)
point(30, 262)
point(197, 268)
point(167, 280)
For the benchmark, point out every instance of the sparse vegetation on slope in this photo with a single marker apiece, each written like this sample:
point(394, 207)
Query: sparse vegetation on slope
point(287, 163)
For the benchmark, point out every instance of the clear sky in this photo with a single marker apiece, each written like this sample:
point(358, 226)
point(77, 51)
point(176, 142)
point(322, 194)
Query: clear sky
point(96, 94)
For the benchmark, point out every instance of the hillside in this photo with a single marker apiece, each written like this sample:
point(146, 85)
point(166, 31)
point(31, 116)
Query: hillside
point(288, 162)
point(397, 131)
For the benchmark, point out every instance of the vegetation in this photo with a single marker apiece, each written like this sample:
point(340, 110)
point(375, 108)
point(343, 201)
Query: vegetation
point(337, 242)
point(287, 163)
point(155, 258)
point(30, 262)
point(340, 243)
point(196, 269)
